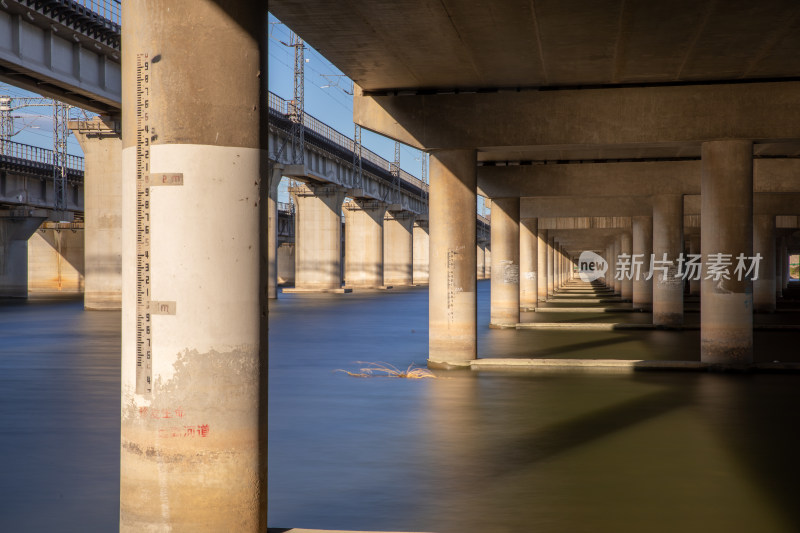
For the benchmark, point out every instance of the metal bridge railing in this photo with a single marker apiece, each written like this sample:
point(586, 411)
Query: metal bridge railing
point(37, 155)
point(108, 9)
point(282, 106)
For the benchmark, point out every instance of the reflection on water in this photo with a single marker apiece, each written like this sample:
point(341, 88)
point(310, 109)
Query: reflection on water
point(59, 417)
point(516, 452)
point(490, 452)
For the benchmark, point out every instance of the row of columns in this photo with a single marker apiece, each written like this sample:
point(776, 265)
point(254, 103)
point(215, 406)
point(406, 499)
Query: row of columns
point(529, 265)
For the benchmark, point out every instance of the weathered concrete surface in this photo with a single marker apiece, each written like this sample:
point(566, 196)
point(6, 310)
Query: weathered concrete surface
point(602, 182)
point(398, 248)
point(764, 287)
point(55, 260)
point(363, 255)
point(528, 262)
point(452, 307)
point(14, 235)
point(286, 262)
point(541, 256)
point(101, 142)
point(505, 262)
point(667, 247)
point(421, 253)
point(646, 116)
point(193, 450)
point(643, 244)
point(318, 236)
point(726, 306)
point(626, 247)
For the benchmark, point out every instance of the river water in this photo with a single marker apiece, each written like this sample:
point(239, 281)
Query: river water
point(496, 452)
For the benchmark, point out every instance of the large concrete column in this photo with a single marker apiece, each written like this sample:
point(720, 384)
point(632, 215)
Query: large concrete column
point(778, 268)
point(626, 247)
point(452, 300)
point(101, 142)
point(318, 237)
point(55, 259)
point(272, 231)
point(784, 259)
point(551, 246)
point(480, 255)
point(193, 453)
point(642, 230)
point(726, 306)
point(398, 248)
point(557, 268)
point(363, 255)
point(667, 239)
point(528, 262)
point(505, 261)
point(14, 234)
point(487, 261)
point(617, 251)
point(694, 248)
point(421, 253)
point(541, 256)
point(764, 287)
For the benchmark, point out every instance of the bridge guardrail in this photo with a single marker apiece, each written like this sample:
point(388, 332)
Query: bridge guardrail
point(36, 154)
point(320, 128)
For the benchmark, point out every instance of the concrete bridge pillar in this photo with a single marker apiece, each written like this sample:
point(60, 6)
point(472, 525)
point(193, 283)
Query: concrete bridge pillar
point(14, 234)
point(778, 267)
point(642, 230)
point(452, 302)
point(726, 306)
point(363, 255)
point(505, 261)
point(667, 239)
point(528, 262)
point(480, 255)
point(541, 260)
point(626, 247)
point(551, 255)
point(272, 230)
point(617, 250)
point(783, 258)
point(557, 268)
point(55, 260)
point(421, 254)
point(487, 261)
point(194, 352)
point(398, 248)
point(318, 237)
point(764, 287)
point(101, 141)
point(694, 248)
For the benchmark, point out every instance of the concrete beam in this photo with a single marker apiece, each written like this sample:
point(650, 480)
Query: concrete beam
point(646, 178)
point(594, 117)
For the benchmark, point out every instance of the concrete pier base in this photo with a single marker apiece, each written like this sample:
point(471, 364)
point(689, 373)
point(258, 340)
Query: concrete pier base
point(398, 248)
point(14, 234)
point(363, 256)
point(101, 142)
point(667, 243)
point(642, 232)
point(726, 306)
point(55, 259)
point(505, 261)
point(452, 302)
point(318, 236)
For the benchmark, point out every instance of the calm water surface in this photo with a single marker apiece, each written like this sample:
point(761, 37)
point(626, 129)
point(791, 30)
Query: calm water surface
point(496, 452)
